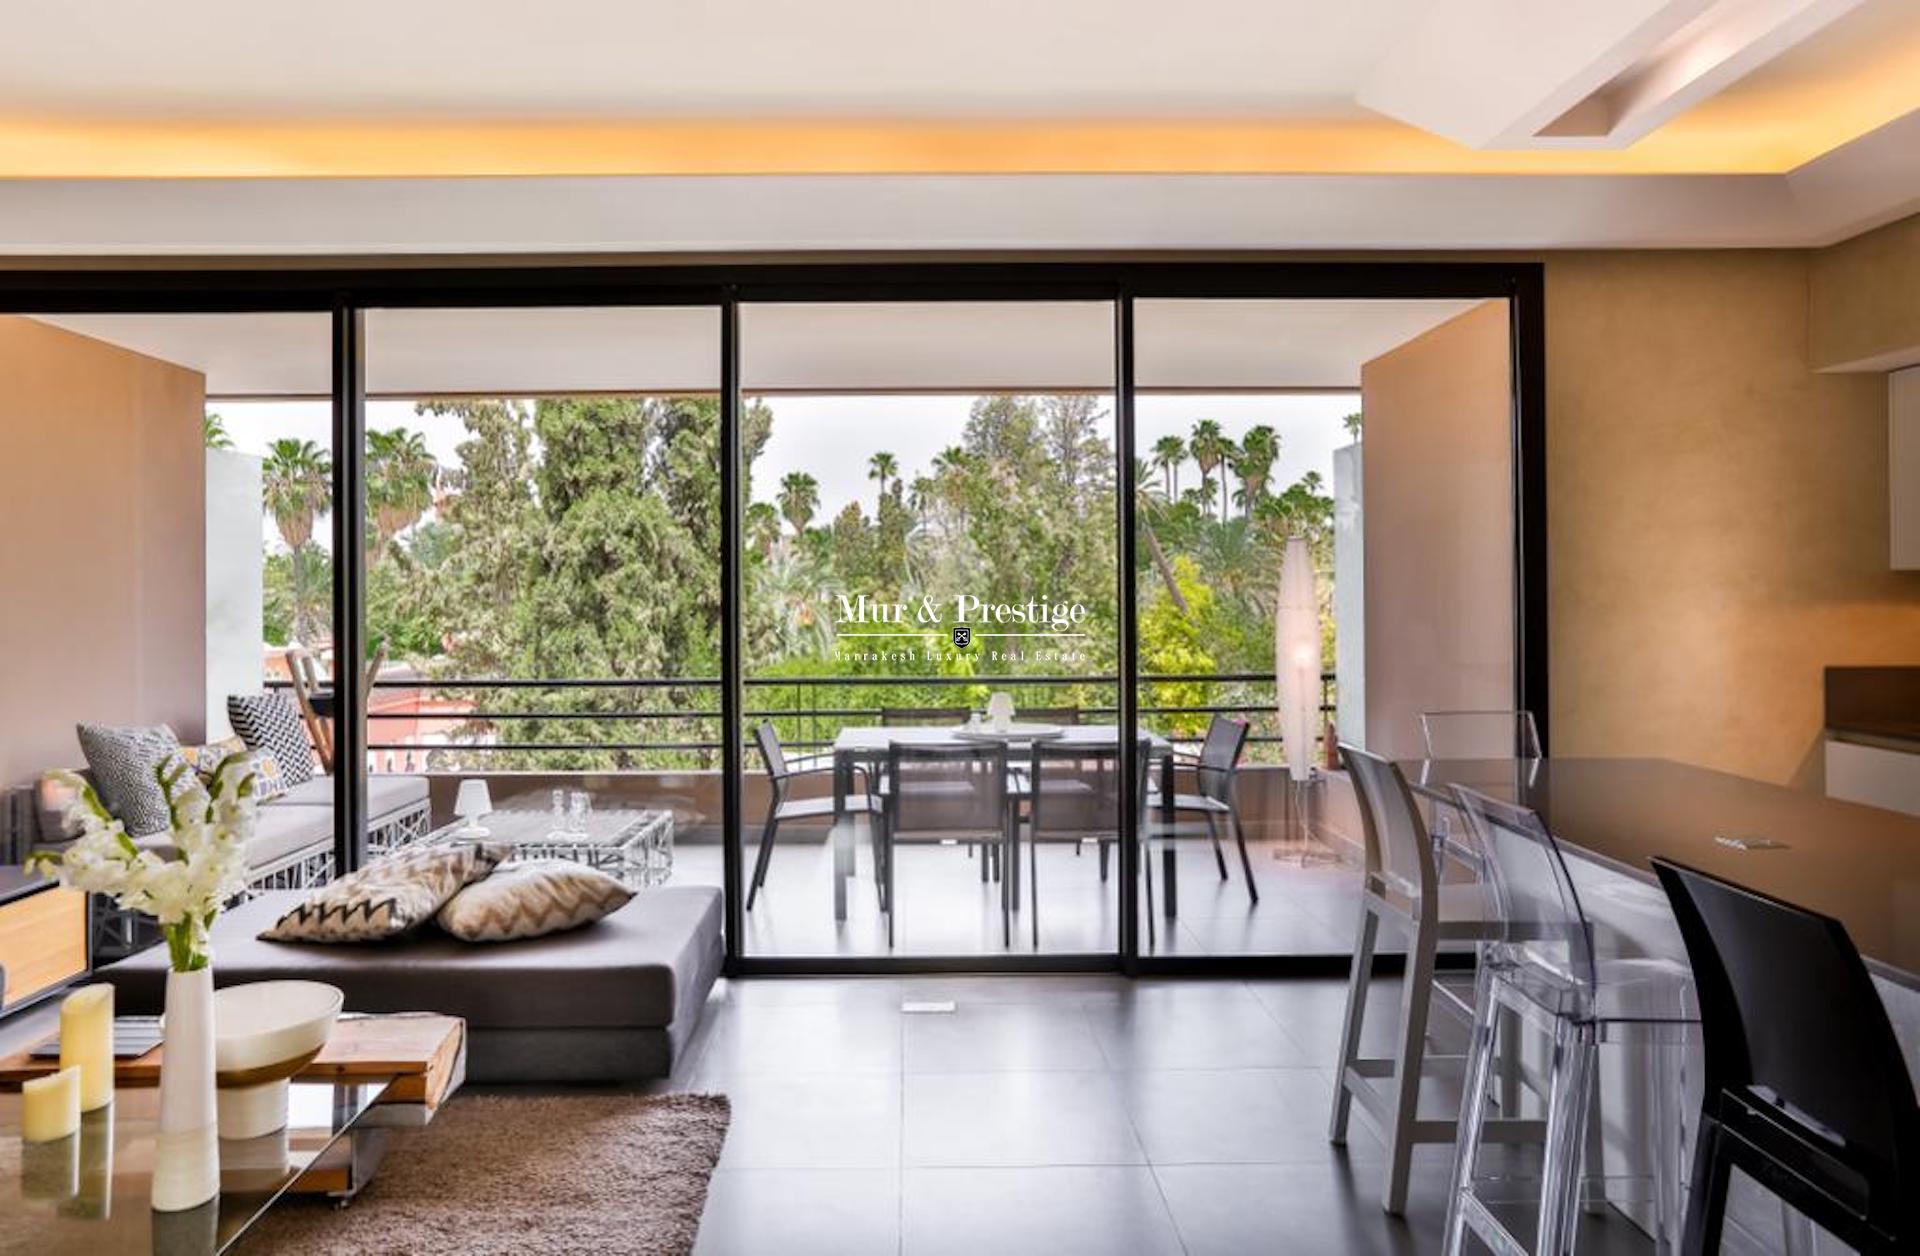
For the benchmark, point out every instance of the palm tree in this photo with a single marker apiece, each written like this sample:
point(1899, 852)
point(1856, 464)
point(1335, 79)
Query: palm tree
point(1353, 423)
point(1148, 504)
point(799, 498)
point(1211, 449)
point(1168, 453)
point(762, 526)
point(1253, 463)
point(400, 484)
point(296, 480)
point(882, 467)
point(213, 432)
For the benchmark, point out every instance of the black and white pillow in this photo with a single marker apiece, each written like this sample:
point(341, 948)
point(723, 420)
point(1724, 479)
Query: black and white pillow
point(389, 896)
point(268, 724)
point(123, 762)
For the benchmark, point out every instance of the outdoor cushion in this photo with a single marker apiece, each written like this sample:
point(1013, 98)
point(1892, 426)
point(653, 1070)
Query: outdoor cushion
point(268, 722)
point(122, 764)
point(643, 967)
point(278, 832)
point(385, 794)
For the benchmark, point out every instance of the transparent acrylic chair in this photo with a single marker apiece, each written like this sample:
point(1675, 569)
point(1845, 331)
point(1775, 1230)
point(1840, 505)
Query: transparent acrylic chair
point(1546, 966)
point(1480, 734)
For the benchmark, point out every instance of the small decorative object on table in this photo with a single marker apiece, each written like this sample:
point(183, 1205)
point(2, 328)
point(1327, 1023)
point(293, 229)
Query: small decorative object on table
point(473, 801)
point(210, 826)
point(1000, 711)
point(268, 1031)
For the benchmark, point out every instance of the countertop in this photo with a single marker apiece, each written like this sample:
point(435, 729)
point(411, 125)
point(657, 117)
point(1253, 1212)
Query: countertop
point(1858, 864)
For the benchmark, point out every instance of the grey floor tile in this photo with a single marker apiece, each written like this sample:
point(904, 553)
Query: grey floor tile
point(805, 1038)
point(1009, 1119)
point(1326, 1208)
point(1238, 1033)
point(812, 1121)
point(1083, 1211)
point(1000, 1037)
point(801, 1212)
point(1236, 1116)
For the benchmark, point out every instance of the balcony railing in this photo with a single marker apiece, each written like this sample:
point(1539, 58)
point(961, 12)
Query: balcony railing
point(672, 723)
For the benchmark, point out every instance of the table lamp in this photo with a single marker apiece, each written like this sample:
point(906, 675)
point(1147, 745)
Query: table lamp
point(472, 802)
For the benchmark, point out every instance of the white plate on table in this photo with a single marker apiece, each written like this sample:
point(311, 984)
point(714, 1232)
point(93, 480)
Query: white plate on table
point(1014, 732)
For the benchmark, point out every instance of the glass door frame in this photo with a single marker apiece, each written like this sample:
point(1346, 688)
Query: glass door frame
point(345, 289)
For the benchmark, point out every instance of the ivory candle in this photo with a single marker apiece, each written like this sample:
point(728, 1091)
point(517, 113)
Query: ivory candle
point(50, 1106)
point(86, 1042)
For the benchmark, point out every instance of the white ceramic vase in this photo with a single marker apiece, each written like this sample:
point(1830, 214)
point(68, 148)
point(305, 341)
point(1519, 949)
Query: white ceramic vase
point(186, 1162)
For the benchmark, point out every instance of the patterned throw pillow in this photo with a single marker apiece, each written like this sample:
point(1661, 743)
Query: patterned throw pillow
point(122, 761)
point(385, 899)
point(531, 899)
point(268, 723)
point(268, 780)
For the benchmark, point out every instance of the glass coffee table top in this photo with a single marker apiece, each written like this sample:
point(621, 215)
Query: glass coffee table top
point(91, 1193)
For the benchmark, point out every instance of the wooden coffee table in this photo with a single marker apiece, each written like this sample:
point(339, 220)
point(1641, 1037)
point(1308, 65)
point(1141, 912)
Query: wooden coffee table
point(90, 1195)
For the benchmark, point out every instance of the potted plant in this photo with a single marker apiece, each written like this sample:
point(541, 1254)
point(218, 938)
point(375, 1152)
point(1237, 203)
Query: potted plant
point(210, 826)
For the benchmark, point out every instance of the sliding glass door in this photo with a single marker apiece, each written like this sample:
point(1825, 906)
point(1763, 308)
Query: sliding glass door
point(542, 611)
point(929, 533)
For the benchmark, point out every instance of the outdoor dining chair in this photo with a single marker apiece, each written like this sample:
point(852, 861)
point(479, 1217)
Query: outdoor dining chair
point(942, 794)
point(1073, 795)
point(1215, 770)
point(782, 772)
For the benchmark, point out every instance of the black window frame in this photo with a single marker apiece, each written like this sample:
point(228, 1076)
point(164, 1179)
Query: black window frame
point(345, 288)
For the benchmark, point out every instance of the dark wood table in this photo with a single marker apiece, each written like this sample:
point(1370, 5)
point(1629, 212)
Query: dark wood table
point(1858, 864)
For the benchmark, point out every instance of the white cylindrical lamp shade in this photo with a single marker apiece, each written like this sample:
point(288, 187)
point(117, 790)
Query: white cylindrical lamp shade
point(1296, 657)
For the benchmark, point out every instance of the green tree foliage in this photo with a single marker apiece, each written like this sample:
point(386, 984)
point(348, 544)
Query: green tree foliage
point(297, 482)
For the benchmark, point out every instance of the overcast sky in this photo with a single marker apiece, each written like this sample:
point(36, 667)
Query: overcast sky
point(831, 438)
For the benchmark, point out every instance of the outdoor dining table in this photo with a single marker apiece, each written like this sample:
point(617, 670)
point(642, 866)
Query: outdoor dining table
point(866, 746)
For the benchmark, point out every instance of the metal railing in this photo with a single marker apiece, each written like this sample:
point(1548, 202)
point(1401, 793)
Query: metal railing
point(683, 717)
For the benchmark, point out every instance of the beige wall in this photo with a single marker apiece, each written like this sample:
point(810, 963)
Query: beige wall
point(1717, 513)
point(1439, 557)
point(1865, 300)
point(102, 560)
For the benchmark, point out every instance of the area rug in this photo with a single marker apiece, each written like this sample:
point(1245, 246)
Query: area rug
point(531, 1175)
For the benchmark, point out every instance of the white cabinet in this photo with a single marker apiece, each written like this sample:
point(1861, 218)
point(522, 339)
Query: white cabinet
point(1875, 775)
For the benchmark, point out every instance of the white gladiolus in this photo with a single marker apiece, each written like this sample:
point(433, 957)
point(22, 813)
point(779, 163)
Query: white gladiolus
point(211, 826)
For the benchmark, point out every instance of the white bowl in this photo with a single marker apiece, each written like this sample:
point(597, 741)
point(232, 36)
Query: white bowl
point(264, 1033)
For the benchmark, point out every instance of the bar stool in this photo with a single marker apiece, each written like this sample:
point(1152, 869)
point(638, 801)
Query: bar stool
point(1545, 963)
point(1401, 886)
point(1807, 1090)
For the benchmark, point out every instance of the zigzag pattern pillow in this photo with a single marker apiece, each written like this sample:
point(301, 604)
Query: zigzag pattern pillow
point(385, 899)
point(532, 899)
point(268, 724)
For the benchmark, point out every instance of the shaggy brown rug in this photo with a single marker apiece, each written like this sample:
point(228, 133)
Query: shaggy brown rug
point(560, 1174)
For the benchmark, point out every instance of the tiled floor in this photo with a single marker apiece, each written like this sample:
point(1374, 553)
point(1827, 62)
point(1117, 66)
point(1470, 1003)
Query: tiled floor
point(1048, 1115)
point(946, 910)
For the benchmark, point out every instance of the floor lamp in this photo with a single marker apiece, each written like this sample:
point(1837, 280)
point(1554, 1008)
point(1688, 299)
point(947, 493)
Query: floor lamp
point(1296, 657)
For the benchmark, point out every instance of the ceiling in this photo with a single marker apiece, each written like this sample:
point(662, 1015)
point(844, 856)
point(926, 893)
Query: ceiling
point(957, 346)
point(638, 125)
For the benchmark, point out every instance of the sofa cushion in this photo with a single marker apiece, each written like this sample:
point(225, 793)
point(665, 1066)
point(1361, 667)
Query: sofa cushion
point(268, 722)
point(389, 896)
point(123, 764)
point(278, 834)
point(628, 971)
point(385, 794)
point(531, 900)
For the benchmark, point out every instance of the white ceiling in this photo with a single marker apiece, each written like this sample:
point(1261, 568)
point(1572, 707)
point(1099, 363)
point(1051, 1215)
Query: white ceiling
point(961, 346)
point(455, 58)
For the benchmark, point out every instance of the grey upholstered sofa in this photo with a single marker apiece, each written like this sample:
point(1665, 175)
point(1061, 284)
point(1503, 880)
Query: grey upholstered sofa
point(613, 1001)
point(293, 836)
